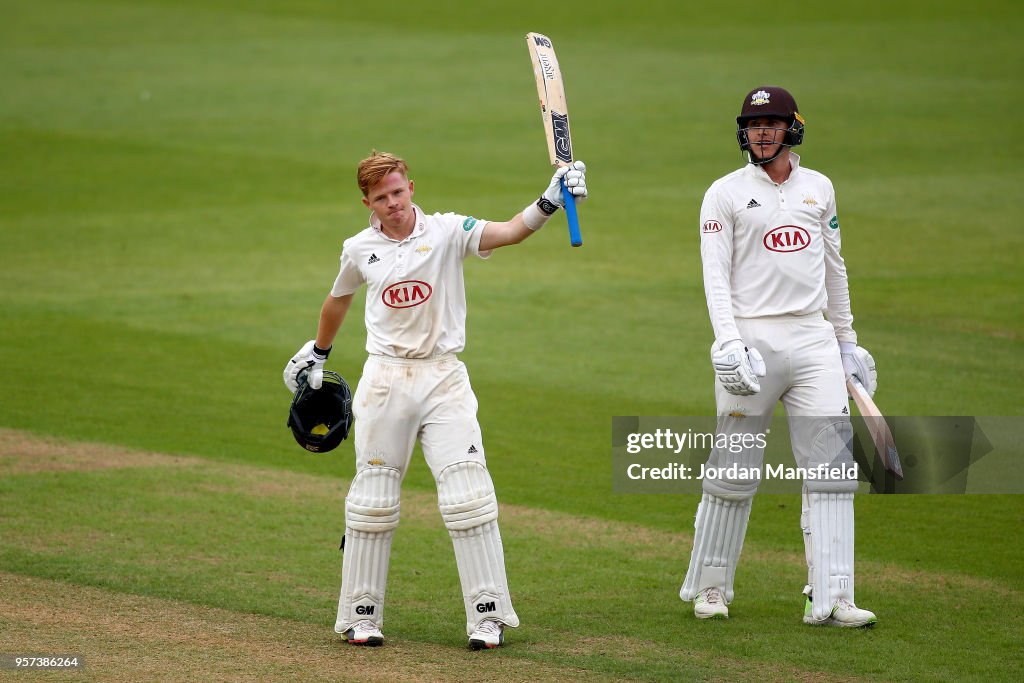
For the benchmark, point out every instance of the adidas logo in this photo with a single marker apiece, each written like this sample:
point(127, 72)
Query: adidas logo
point(373, 259)
point(846, 411)
point(753, 204)
point(472, 449)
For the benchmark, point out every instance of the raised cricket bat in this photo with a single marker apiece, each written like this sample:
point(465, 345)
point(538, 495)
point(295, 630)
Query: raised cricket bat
point(879, 430)
point(556, 119)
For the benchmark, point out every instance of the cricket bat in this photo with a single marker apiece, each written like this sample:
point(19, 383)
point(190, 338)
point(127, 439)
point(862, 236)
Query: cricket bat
point(879, 430)
point(556, 119)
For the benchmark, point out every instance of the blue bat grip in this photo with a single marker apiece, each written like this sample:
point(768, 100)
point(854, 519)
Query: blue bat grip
point(571, 216)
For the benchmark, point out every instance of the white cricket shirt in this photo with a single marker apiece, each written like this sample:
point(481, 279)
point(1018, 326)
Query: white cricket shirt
point(415, 292)
point(772, 249)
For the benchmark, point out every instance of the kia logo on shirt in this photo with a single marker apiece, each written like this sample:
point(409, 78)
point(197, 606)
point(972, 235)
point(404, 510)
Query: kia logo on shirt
point(712, 226)
point(787, 238)
point(406, 294)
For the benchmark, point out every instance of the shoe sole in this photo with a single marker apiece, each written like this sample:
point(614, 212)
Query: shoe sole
point(476, 644)
point(720, 617)
point(372, 641)
point(839, 624)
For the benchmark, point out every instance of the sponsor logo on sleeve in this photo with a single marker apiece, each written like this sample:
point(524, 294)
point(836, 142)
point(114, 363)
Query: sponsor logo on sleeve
point(469, 224)
point(711, 226)
point(406, 294)
point(786, 238)
point(834, 223)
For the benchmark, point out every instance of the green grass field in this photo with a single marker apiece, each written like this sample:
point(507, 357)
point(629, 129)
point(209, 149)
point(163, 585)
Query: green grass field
point(175, 184)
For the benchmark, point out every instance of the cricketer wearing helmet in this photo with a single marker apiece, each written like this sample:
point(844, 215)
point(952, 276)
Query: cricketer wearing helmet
point(414, 386)
point(770, 243)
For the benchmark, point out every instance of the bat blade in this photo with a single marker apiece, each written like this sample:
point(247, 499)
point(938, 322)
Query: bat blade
point(881, 435)
point(555, 115)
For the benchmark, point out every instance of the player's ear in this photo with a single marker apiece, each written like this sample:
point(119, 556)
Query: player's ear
point(366, 202)
point(411, 184)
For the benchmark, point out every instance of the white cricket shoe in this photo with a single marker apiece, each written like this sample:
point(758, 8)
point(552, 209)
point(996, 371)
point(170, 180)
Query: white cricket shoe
point(488, 634)
point(844, 613)
point(364, 632)
point(710, 604)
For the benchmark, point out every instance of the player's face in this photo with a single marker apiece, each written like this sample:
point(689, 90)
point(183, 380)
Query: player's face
point(391, 201)
point(766, 136)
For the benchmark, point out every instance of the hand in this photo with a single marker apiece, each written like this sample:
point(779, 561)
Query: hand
point(738, 367)
point(575, 175)
point(857, 362)
point(308, 358)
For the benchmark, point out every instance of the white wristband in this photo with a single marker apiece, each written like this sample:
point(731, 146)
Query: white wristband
point(534, 218)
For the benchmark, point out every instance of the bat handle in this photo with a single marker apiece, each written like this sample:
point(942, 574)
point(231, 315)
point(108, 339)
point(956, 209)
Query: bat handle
point(571, 216)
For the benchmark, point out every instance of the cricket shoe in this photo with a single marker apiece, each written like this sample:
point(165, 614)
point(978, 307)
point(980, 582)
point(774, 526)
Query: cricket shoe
point(366, 633)
point(488, 634)
point(709, 604)
point(844, 614)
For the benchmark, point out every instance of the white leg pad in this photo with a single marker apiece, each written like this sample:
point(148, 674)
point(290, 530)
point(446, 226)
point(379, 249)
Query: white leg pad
point(831, 550)
point(469, 508)
point(371, 516)
point(717, 541)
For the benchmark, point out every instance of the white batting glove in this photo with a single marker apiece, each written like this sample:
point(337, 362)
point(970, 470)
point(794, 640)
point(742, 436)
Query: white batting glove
point(308, 358)
point(575, 179)
point(738, 367)
point(857, 362)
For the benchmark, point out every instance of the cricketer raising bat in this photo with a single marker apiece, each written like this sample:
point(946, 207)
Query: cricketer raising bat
point(879, 430)
point(556, 119)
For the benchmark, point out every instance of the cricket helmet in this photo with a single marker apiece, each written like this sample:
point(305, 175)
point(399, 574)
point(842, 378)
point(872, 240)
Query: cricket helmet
point(320, 419)
point(773, 102)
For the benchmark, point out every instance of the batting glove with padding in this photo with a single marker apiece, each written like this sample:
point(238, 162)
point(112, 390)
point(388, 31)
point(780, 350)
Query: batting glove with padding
point(857, 362)
point(738, 367)
point(311, 358)
point(575, 175)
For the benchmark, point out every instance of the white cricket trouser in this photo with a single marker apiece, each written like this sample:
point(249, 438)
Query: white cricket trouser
point(399, 400)
point(805, 372)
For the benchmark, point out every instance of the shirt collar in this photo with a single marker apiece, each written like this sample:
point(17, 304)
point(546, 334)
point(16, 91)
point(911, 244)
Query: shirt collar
point(756, 171)
point(417, 229)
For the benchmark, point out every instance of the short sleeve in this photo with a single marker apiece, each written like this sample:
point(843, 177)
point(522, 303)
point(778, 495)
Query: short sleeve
point(350, 278)
point(467, 231)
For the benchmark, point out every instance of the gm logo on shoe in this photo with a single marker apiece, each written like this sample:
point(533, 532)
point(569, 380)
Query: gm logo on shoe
point(406, 294)
point(482, 607)
point(786, 238)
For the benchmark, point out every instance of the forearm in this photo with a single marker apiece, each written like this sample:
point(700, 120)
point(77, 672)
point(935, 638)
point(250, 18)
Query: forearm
point(837, 288)
point(536, 214)
point(716, 262)
point(512, 231)
point(332, 314)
